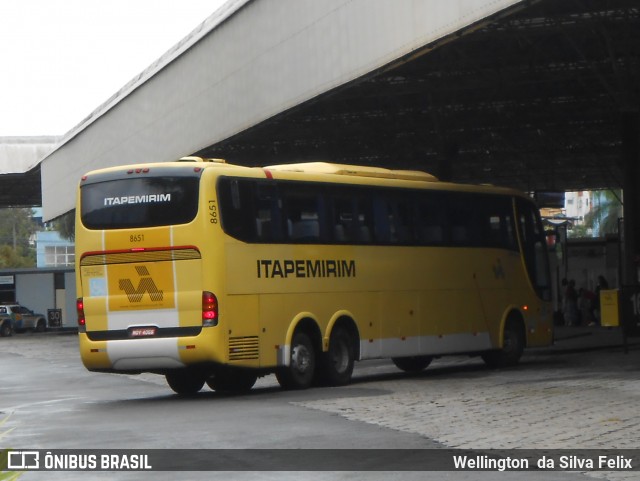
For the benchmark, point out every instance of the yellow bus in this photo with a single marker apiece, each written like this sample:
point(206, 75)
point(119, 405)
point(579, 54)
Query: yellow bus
point(206, 272)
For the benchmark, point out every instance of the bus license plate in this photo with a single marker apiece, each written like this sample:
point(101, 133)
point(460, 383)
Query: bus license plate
point(143, 331)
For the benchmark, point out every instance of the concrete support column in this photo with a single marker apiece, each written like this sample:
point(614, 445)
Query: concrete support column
point(631, 186)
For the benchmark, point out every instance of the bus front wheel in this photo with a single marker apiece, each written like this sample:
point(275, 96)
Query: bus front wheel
point(302, 364)
point(512, 346)
point(337, 363)
point(184, 381)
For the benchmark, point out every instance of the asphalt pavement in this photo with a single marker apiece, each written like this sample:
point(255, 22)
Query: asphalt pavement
point(581, 393)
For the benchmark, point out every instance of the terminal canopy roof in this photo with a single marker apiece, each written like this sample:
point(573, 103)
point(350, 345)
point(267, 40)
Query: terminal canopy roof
point(537, 95)
point(535, 99)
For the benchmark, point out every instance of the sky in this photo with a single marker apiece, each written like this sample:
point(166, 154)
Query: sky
point(61, 59)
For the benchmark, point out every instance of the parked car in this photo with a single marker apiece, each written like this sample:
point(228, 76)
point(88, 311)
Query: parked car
point(24, 318)
point(6, 322)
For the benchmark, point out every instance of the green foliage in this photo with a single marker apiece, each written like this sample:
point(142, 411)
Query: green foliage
point(65, 224)
point(16, 227)
point(605, 212)
point(20, 257)
point(602, 219)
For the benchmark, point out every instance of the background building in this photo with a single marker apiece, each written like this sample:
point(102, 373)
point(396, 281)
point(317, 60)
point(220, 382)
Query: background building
point(54, 251)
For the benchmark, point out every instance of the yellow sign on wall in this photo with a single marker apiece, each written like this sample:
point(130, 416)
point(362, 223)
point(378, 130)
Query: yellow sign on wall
point(610, 307)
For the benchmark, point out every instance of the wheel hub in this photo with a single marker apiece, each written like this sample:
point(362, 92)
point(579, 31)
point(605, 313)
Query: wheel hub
point(300, 359)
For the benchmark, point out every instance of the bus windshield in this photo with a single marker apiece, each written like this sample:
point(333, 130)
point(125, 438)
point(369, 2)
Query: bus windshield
point(139, 202)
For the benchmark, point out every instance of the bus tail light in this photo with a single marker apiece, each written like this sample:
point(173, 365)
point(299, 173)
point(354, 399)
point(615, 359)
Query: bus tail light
point(82, 322)
point(209, 309)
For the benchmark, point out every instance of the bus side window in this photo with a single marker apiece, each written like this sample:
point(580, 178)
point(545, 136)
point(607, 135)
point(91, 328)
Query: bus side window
point(460, 214)
point(382, 219)
point(534, 248)
point(351, 216)
point(392, 219)
point(510, 232)
point(364, 219)
point(496, 220)
point(403, 214)
point(431, 234)
point(495, 230)
point(431, 221)
point(302, 213)
point(237, 208)
point(268, 218)
point(342, 219)
point(464, 214)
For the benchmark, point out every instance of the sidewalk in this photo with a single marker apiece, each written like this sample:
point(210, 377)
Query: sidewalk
point(598, 347)
point(591, 338)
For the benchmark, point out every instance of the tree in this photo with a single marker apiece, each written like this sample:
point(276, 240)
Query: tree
point(602, 218)
point(10, 257)
point(606, 209)
point(65, 224)
point(16, 228)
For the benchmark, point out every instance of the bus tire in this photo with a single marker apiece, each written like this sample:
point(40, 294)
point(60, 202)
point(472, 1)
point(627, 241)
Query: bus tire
point(512, 346)
point(185, 381)
point(413, 363)
point(302, 364)
point(336, 365)
point(232, 380)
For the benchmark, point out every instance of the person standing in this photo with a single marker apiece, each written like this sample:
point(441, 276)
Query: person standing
point(570, 304)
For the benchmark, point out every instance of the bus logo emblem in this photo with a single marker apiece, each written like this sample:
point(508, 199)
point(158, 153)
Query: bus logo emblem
point(146, 284)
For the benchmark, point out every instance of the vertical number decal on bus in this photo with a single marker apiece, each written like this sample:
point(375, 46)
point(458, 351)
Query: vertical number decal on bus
point(213, 212)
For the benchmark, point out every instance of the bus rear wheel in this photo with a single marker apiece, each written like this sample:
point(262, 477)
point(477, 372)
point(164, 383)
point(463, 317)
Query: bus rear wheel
point(185, 381)
point(336, 365)
point(413, 363)
point(232, 380)
point(512, 346)
point(302, 364)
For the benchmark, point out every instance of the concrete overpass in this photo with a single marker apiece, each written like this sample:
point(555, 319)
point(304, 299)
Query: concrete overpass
point(20, 159)
point(535, 94)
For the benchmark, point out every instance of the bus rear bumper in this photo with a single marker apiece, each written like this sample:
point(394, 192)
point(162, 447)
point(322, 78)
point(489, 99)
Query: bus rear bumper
point(146, 355)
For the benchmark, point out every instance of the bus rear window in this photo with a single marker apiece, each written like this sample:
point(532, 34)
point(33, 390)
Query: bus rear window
point(139, 202)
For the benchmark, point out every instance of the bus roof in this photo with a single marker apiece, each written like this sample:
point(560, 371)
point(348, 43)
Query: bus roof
point(380, 173)
point(355, 170)
point(299, 170)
